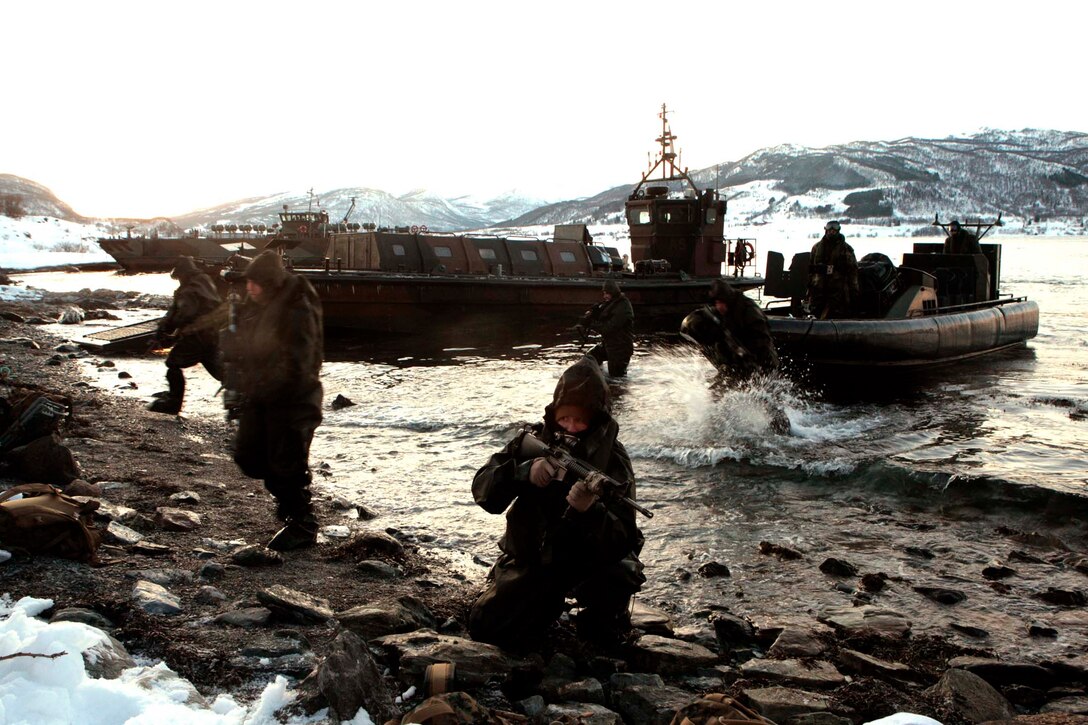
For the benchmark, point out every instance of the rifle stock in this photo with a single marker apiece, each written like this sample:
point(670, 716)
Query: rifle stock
point(532, 447)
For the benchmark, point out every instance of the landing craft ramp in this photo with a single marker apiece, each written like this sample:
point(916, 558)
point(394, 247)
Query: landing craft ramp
point(123, 337)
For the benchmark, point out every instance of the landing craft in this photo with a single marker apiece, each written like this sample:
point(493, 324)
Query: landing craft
point(408, 279)
point(933, 309)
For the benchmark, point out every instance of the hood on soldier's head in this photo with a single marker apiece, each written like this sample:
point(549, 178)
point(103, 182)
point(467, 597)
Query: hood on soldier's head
point(267, 270)
point(722, 290)
point(832, 226)
point(185, 268)
point(953, 226)
point(581, 384)
point(612, 287)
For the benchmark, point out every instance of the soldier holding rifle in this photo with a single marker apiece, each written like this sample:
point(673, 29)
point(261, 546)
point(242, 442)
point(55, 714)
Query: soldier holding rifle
point(565, 535)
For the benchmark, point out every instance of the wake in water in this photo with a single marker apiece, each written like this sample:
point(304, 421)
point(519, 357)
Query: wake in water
point(682, 416)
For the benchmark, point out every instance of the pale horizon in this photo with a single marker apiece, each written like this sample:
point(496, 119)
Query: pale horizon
point(126, 109)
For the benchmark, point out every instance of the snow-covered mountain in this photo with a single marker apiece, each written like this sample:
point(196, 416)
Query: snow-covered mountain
point(1029, 176)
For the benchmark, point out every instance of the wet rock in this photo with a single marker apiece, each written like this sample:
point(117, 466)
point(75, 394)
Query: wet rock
point(375, 542)
point(1063, 597)
point(970, 696)
point(942, 595)
point(783, 553)
point(1069, 669)
point(377, 569)
point(1033, 538)
point(650, 620)
point(21, 342)
point(340, 402)
point(783, 704)
point(120, 534)
point(155, 599)
point(295, 605)
point(920, 552)
point(107, 659)
point(147, 548)
point(1026, 558)
point(476, 662)
point(1041, 630)
point(732, 630)
point(816, 674)
point(969, 630)
point(349, 679)
point(588, 713)
point(185, 497)
point(699, 633)
point(996, 570)
point(838, 567)
point(7, 314)
point(1003, 672)
point(79, 487)
point(873, 582)
point(713, 569)
point(587, 690)
point(1076, 705)
point(246, 617)
point(868, 665)
point(867, 620)
point(370, 621)
point(649, 703)
point(83, 616)
point(162, 577)
point(795, 642)
point(209, 595)
point(172, 519)
point(256, 555)
point(661, 654)
point(532, 706)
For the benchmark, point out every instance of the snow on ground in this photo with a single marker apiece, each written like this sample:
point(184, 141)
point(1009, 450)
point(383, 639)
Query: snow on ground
point(58, 690)
point(36, 241)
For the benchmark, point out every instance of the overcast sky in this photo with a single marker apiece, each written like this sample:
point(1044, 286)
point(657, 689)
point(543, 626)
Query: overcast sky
point(147, 108)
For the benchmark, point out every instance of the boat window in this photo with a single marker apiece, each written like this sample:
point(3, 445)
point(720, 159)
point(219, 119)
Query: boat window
point(398, 250)
point(639, 216)
point(442, 252)
point(711, 215)
point(567, 256)
point(529, 255)
point(488, 254)
point(674, 216)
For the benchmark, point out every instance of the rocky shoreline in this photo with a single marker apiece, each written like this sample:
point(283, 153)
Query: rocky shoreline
point(358, 618)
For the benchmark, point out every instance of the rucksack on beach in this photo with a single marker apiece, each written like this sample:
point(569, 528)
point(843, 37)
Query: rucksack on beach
point(45, 521)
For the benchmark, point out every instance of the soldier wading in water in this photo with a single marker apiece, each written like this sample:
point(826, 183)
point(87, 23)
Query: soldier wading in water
point(274, 358)
point(561, 539)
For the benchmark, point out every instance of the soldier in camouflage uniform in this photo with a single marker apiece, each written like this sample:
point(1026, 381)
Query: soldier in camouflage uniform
point(833, 279)
point(560, 538)
point(191, 327)
point(278, 352)
point(614, 318)
point(960, 241)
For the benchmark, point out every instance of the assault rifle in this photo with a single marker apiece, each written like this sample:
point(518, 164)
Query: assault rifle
point(230, 349)
point(600, 484)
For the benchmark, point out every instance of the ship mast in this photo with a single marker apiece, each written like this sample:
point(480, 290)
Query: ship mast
point(667, 158)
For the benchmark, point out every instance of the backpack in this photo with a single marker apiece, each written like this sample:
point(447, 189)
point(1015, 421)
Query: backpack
point(45, 521)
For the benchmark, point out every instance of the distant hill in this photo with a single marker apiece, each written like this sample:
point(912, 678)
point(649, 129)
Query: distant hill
point(22, 197)
point(1032, 175)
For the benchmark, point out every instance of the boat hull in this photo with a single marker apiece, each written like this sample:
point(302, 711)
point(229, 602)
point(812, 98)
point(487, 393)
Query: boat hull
point(914, 343)
point(405, 303)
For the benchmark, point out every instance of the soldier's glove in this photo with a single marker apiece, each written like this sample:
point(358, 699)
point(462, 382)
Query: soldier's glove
point(542, 472)
point(585, 492)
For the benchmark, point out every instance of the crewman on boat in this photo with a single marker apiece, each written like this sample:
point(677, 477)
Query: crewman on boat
point(614, 318)
point(191, 330)
point(561, 538)
point(833, 276)
point(277, 354)
point(960, 241)
point(732, 332)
